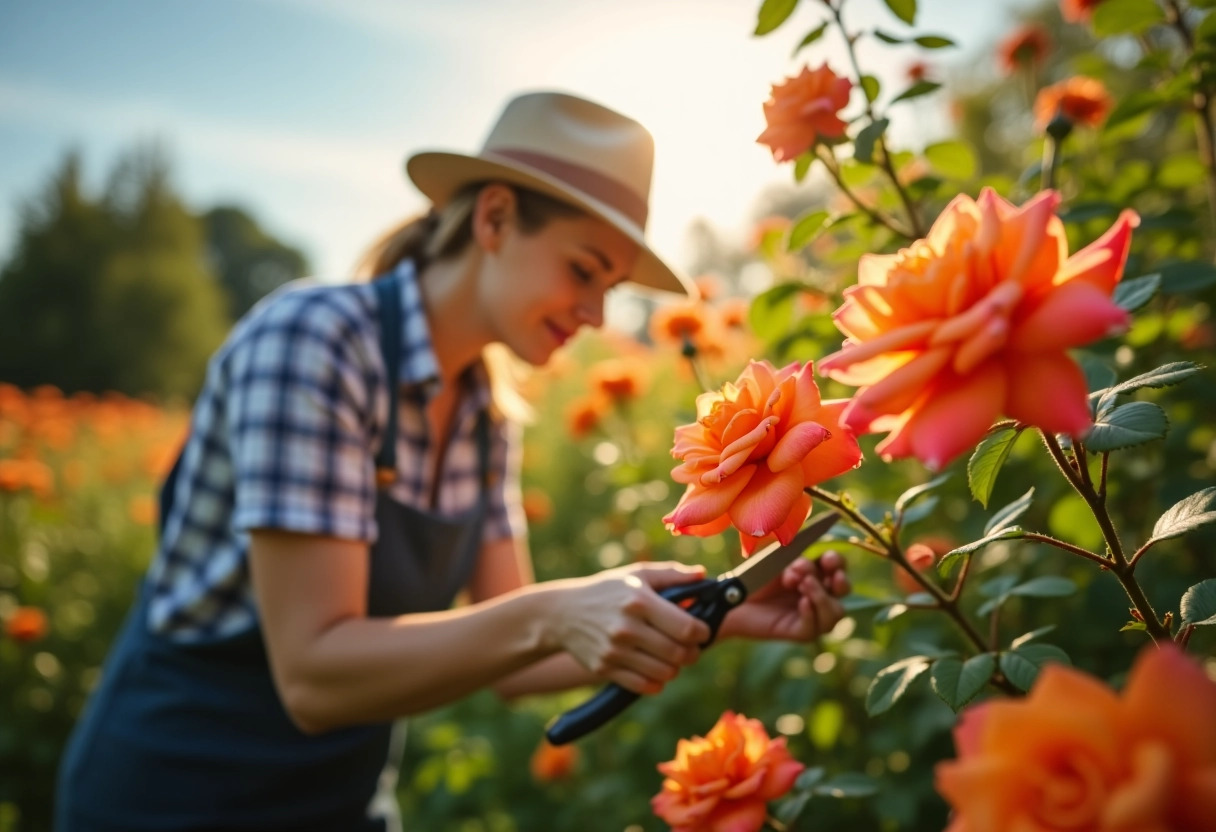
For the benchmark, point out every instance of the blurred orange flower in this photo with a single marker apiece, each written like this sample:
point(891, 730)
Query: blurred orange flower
point(1074, 755)
point(553, 762)
point(1026, 47)
point(1080, 99)
point(734, 312)
point(709, 287)
point(583, 416)
point(26, 474)
point(973, 322)
point(537, 506)
point(754, 449)
point(142, 509)
point(804, 109)
point(26, 624)
point(1078, 11)
point(618, 379)
point(917, 71)
point(722, 782)
point(689, 322)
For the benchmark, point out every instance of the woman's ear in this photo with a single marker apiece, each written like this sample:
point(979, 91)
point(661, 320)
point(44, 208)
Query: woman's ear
point(493, 214)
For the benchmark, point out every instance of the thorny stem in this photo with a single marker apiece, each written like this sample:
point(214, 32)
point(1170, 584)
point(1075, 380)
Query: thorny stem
point(917, 231)
point(876, 216)
point(962, 576)
point(1067, 547)
point(944, 602)
point(1201, 103)
point(1118, 564)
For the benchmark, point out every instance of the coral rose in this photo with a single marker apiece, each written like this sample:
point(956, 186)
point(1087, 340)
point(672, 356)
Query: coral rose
point(1079, 99)
point(618, 379)
point(804, 109)
point(1078, 11)
point(1025, 47)
point(553, 762)
point(1073, 755)
point(722, 782)
point(754, 449)
point(973, 322)
point(26, 624)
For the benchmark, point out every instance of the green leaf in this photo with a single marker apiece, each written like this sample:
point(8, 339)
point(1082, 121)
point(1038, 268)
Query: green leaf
point(953, 159)
point(1130, 424)
point(916, 91)
point(1185, 515)
point(1125, 17)
point(787, 811)
point(803, 164)
point(1131, 106)
point(934, 41)
point(885, 38)
point(806, 228)
point(810, 777)
point(986, 462)
point(1022, 666)
point(1167, 375)
point(912, 494)
point(772, 14)
point(957, 683)
point(1134, 625)
point(811, 36)
point(772, 311)
point(1191, 276)
point(954, 555)
point(889, 614)
point(1199, 604)
point(871, 87)
point(1098, 374)
point(856, 603)
point(919, 511)
point(1005, 517)
point(1132, 294)
point(999, 586)
point(1045, 586)
point(847, 784)
point(1180, 171)
point(1032, 635)
point(863, 145)
point(892, 682)
point(905, 10)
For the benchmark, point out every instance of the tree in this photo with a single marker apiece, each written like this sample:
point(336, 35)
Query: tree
point(250, 263)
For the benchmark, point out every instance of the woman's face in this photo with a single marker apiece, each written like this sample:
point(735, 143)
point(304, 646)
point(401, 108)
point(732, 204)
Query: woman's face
point(539, 288)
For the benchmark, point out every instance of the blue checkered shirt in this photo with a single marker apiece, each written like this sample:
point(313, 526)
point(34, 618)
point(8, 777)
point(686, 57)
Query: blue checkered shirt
point(284, 436)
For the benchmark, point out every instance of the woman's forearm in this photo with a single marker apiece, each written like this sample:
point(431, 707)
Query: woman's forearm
point(555, 673)
point(362, 670)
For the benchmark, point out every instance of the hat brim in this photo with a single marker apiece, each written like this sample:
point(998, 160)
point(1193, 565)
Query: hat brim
point(439, 175)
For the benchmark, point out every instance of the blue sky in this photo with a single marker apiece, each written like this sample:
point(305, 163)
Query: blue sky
point(302, 111)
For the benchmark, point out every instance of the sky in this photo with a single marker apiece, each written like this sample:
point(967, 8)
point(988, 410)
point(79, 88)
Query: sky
point(303, 111)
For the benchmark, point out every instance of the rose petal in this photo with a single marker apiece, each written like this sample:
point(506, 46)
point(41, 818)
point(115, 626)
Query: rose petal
point(701, 504)
point(1048, 390)
point(798, 441)
point(767, 500)
point(1074, 314)
point(957, 416)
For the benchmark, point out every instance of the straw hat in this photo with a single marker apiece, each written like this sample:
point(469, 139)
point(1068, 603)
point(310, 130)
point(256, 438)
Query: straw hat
point(569, 148)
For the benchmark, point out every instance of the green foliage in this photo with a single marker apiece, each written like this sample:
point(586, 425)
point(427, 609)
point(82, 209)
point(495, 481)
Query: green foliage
point(117, 292)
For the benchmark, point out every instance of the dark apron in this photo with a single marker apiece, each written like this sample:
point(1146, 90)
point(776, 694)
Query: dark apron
point(194, 736)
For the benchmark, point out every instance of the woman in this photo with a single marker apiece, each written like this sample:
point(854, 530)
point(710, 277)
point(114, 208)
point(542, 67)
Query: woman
point(316, 529)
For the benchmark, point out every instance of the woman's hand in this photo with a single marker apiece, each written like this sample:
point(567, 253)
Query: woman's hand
point(618, 627)
point(800, 605)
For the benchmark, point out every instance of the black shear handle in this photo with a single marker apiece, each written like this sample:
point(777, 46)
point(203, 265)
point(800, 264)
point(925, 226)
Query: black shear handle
point(713, 600)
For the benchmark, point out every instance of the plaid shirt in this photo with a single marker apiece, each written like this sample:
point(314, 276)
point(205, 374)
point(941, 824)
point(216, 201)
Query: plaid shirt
point(284, 435)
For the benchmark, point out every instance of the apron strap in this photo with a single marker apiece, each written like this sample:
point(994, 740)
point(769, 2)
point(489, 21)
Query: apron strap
point(388, 293)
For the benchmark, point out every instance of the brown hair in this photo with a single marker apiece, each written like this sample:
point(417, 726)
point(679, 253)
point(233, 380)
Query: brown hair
point(442, 234)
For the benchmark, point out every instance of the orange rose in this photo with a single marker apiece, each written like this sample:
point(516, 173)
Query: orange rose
point(26, 624)
point(974, 321)
point(804, 109)
point(1073, 755)
point(1080, 99)
point(1026, 46)
point(618, 379)
point(754, 449)
point(583, 416)
point(723, 781)
point(553, 762)
point(1078, 11)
